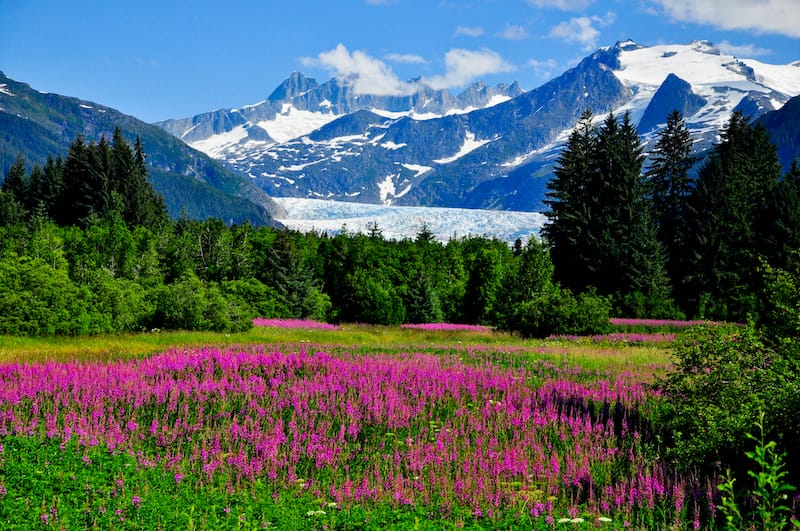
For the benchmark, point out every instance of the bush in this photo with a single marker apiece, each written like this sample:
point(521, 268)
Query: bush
point(372, 300)
point(189, 304)
point(723, 378)
point(263, 300)
point(559, 312)
point(38, 299)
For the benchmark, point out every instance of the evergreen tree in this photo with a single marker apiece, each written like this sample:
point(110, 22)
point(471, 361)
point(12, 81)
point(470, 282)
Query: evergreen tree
point(11, 211)
point(669, 186)
point(599, 228)
point(100, 177)
point(147, 207)
point(52, 187)
point(634, 262)
point(421, 301)
point(730, 195)
point(572, 207)
point(780, 226)
point(16, 182)
point(35, 200)
point(77, 196)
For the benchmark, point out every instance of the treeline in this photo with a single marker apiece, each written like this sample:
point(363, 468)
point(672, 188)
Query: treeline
point(86, 247)
point(661, 241)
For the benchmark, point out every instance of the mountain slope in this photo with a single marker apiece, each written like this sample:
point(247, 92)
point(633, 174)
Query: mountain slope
point(38, 125)
point(485, 148)
point(784, 128)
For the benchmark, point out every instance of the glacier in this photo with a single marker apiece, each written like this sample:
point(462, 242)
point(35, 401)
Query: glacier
point(399, 222)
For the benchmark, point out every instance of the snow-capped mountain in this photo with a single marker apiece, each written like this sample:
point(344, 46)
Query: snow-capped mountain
point(300, 105)
point(489, 147)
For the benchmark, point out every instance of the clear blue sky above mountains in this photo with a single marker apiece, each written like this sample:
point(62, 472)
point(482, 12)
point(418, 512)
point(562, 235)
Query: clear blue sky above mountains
point(170, 59)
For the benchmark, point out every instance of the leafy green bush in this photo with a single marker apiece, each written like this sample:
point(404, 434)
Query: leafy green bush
point(372, 300)
point(189, 304)
point(723, 378)
point(559, 312)
point(263, 300)
point(764, 505)
point(38, 299)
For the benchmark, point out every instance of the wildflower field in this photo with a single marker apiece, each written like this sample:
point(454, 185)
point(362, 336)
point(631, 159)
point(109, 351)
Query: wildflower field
point(304, 427)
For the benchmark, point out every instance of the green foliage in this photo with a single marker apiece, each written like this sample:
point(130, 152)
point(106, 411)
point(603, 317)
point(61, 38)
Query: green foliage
point(263, 300)
point(189, 304)
point(779, 308)
point(768, 492)
point(723, 378)
point(558, 312)
point(600, 228)
point(422, 302)
point(724, 222)
point(372, 300)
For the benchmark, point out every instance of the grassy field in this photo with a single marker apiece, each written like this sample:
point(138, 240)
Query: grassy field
point(361, 427)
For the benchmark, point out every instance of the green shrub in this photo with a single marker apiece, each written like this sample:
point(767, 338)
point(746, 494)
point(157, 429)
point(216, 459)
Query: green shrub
point(263, 300)
point(559, 312)
point(723, 378)
point(765, 504)
point(189, 304)
point(36, 298)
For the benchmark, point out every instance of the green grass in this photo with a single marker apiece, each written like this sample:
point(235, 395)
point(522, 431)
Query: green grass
point(358, 337)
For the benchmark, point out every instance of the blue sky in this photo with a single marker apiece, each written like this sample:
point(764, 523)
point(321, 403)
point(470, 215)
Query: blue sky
point(159, 59)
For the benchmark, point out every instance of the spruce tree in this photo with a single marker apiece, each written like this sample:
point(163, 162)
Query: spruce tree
point(633, 263)
point(100, 177)
point(668, 187)
point(724, 219)
point(52, 187)
point(599, 228)
point(572, 207)
point(77, 196)
point(780, 225)
point(16, 182)
point(147, 207)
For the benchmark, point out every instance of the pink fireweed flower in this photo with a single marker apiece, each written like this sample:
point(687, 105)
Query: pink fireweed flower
point(447, 326)
point(293, 323)
point(363, 428)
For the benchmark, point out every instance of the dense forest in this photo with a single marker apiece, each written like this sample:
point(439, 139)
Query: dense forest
point(86, 246)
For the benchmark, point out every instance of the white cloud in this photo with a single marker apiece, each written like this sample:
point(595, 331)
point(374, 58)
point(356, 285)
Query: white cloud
point(476, 31)
point(463, 66)
point(405, 58)
point(741, 50)
point(365, 74)
point(514, 32)
point(543, 68)
point(582, 30)
point(368, 75)
point(564, 5)
point(769, 16)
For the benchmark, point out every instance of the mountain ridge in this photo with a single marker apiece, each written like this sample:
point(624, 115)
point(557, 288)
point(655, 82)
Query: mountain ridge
point(482, 148)
point(38, 125)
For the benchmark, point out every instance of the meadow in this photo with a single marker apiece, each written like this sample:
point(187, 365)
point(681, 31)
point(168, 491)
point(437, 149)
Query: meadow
point(296, 426)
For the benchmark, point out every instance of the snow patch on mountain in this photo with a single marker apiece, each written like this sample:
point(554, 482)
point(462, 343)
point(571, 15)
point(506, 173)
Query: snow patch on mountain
point(216, 145)
point(398, 222)
point(386, 188)
point(4, 89)
point(469, 145)
point(291, 123)
point(391, 145)
point(417, 168)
